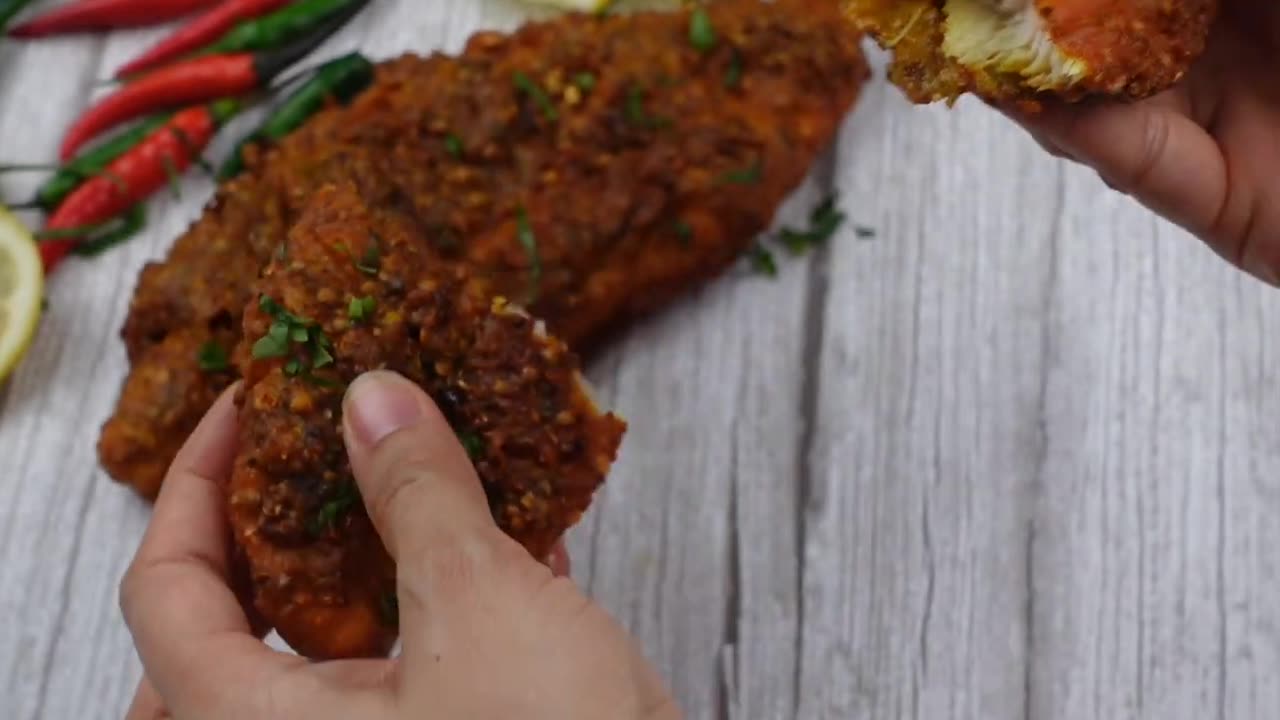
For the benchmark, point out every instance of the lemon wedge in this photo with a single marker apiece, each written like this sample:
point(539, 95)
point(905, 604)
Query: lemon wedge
point(21, 289)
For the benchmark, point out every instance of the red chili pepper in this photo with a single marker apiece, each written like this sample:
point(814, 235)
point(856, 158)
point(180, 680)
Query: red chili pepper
point(93, 15)
point(188, 82)
point(200, 79)
point(135, 175)
point(200, 32)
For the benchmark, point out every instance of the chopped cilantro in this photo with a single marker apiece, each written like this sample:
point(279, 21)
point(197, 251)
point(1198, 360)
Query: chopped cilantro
point(274, 344)
point(526, 85)
point(585, 81)
point(529, 241)
point(362, 308)
point(684, 231)
point(211, 357)
point(635, 112)
point(371, 262)
point(287, 328)
point(823, 223)
point(320, 357)
point(745, 176)
point(702, 34)
point(453, 145)
point(334, 510)
point(472, 443)
point(733, 76)
point(762, 260)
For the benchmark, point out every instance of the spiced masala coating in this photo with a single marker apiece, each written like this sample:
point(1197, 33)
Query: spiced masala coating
point(590, 168)
point(1024, 51)
point(357, 290)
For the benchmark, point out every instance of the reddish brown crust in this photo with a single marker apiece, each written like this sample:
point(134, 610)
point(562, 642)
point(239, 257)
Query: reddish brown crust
point(1135, 48)
point(605, 198)
point(540, 447)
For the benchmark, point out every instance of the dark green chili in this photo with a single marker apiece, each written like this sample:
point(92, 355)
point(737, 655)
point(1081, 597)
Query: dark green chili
point(341, 79)
point(283, 26)
point(9, 8)
point(130, 224)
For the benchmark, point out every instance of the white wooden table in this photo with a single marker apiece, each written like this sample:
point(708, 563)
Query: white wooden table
point(1016, 456)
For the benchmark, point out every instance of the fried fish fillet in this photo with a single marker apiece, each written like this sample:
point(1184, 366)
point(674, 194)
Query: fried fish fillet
point(590, 168)
point(1022, 50)
point(359, 290)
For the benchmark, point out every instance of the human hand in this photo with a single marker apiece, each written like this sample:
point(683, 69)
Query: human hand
point(1204, 154)
point(487, 631)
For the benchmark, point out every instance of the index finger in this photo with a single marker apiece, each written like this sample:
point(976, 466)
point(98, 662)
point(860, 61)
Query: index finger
point(190, 630)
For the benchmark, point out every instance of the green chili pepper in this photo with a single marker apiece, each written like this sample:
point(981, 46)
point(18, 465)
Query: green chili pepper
point(131, 223)
point(72, 174)
point(104, 235)
point(283, 26)
point(342, 79)
point(9, 8)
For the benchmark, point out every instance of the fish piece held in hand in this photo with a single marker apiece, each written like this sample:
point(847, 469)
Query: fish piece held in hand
point(358, 290)
point(1025, 50)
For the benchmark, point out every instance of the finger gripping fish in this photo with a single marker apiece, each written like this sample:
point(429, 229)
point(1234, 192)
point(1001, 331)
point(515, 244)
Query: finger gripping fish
point(353, 290)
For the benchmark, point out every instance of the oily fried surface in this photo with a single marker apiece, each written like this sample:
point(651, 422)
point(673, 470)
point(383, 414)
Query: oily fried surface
point(361, 287)
point(1126, 48)
point(643, 166)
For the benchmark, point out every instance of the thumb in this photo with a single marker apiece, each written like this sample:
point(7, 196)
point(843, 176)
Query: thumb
point(427, 504)
point(417, 482)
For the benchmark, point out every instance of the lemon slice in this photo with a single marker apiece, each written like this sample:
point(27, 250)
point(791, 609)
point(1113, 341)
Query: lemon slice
point(21, 288)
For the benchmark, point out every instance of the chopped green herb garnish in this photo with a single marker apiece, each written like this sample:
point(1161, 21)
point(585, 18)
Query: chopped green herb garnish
point(539, 96)
point(334, 510)
point(529, 241)
point(733, 76)
point(389, 609)
point(635, 112)
point(823, 223)
point(362, 308)
point(371, 262)
point(684, 231)
point(274, 344)
point(320, 357)
point(864, 232)
point(211, 357)
point(746, 176)
point(287, 328)
point(472, 443)
point(269, 306)
point(342, 248)
point(762, 260)
point(585, 81)
point(282, 251)
point(702, 34)
point(453, 145)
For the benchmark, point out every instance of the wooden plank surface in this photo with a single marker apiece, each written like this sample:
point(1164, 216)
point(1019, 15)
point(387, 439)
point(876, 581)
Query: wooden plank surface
point(1012, 457)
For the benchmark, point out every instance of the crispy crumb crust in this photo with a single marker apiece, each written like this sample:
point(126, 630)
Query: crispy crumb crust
point(321, 576)
point(624, 188)
point(1131, 48)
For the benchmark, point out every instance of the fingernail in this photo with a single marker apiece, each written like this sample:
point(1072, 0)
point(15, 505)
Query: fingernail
point(379, 403)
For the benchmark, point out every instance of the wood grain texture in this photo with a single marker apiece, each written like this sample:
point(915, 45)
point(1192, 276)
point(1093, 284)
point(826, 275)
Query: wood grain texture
point(1012, 457)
